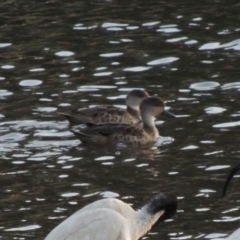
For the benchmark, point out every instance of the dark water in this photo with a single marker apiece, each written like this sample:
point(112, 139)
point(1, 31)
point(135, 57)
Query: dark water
point(56, 56)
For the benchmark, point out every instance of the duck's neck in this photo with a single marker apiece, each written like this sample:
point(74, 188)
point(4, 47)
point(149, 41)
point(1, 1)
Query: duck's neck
point(145, 221)
point(134, 111)
point(149, 125)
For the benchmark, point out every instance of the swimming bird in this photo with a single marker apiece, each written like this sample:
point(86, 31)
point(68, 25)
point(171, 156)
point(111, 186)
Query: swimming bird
point(236, 234)
point(126, 133)
point(106, 114)
point(112, 219)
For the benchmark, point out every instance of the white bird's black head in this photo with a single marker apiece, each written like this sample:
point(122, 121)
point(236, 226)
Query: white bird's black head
point(229, 178)
point(165, 202)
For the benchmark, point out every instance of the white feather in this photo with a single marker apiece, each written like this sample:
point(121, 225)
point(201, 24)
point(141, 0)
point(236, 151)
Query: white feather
point(106, 219)
point(234, 236)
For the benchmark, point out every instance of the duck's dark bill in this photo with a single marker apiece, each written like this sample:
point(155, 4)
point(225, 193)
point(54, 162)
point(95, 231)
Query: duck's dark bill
point(168, 114)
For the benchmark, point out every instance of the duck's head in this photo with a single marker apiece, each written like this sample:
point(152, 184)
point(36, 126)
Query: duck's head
point(154, 106)
point(135, 97)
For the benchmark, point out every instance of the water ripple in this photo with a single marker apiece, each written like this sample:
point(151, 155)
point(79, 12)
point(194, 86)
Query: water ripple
point(26, 228)
point(111, 24)
point(3, 45)
point(232, 85)
point(205, 86)
point(214, 110)
point(30, 83)
point(109, 55)
point(235, 45)
point(227, 124)
point(162, 61)
point(136, 69)
point(64, 54)
point(150, 24)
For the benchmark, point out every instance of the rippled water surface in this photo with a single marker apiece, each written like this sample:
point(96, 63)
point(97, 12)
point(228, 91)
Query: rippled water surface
point(57, 56)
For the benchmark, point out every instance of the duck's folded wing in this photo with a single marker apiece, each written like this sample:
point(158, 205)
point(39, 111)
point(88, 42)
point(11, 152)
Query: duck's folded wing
point(96, 224)
point(83, 116)
point(95, 111)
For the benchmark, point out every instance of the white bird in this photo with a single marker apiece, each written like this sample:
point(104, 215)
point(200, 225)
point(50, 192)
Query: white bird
point(235, 235)
point(112, 219)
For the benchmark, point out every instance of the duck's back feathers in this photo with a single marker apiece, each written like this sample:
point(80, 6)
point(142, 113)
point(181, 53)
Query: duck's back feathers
point(102, 114)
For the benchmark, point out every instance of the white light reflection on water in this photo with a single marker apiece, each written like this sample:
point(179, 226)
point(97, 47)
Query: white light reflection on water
point(150, 24)
point(232, 85)
point(102, 74)
point(30, 82)
point(31, 124)
point(49, 144)
point(205, 86)
point(52, 133)
point(5, 93)
point(214, 110)
point(7, 67)
point(115, 29)
point(94, 88)
point(104, 158)
point(3, 45)
point(227, 219)
point(213, 153)
point(26, 228)
point(235, 45)
point(111, 24)
point(217, 167)
point(215, 236)
point(132, 27)
point(227, 125)
point(13, 173)
point(191, 42)
point(202, 209)
point(110, 55)
point(136, 69)
point(171, 28)
point(181, 237)
point(37, 70)
point(190, 147)
point(45, 109)
point(232, 209)
point(160, 61)
point(64, 54)
point(69, 194)
point(15, 137)
point(174, 40)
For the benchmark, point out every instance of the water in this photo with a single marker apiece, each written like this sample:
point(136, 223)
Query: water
point(56, 56)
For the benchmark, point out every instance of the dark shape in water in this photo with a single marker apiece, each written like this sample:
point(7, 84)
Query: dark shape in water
point(229, 178)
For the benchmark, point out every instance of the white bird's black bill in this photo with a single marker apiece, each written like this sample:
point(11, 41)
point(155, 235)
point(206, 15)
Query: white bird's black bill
point(229, 178)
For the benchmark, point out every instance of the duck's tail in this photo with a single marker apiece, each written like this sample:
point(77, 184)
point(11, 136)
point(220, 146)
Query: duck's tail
point(72, 118)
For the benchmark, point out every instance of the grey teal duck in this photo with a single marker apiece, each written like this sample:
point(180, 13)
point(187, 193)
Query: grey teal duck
point(128, 134)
